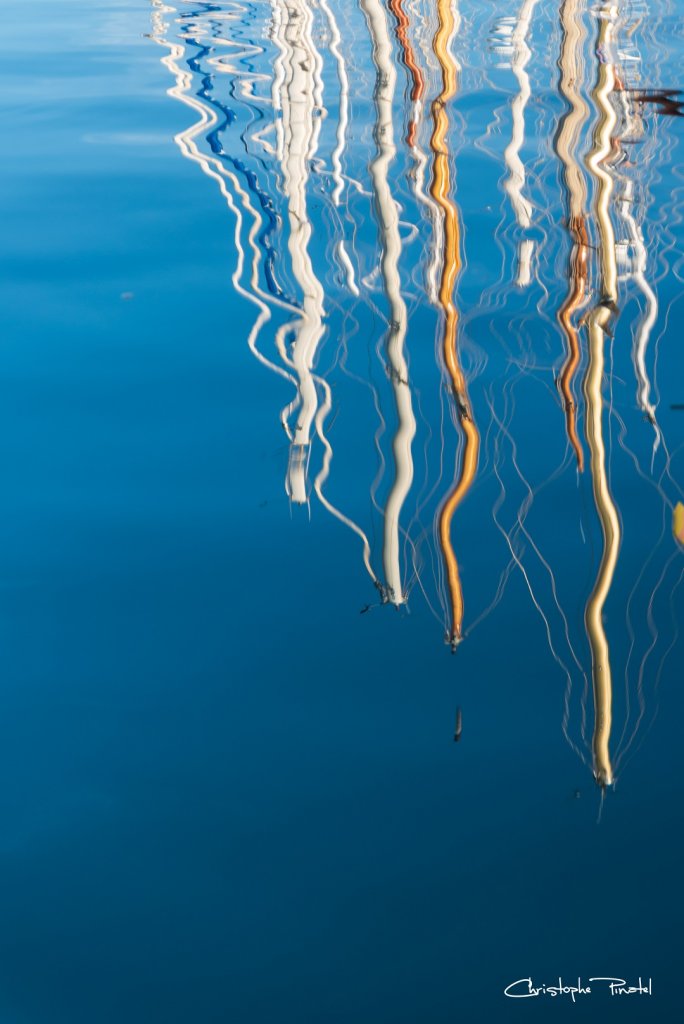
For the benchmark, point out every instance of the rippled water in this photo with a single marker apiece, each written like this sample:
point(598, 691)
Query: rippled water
point(343, 408)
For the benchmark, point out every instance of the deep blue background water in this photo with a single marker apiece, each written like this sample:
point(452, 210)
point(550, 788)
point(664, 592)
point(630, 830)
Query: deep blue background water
point(226, 795)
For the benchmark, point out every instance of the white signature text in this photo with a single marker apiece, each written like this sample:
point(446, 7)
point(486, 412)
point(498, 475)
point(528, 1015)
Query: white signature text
point(523, 988)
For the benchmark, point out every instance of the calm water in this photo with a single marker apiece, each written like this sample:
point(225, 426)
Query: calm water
point(339, 413)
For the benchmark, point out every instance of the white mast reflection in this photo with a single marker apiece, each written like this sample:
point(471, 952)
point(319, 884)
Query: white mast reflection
point(297, 96)
point(515, 182)
point(598, 329)
point(388, 218)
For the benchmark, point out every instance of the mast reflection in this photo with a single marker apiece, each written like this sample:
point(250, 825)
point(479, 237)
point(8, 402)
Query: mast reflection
point(598, 330)
point(565, 142)
point(515, 182)
point(441, 190)
point(390, 238)
point(296, 102)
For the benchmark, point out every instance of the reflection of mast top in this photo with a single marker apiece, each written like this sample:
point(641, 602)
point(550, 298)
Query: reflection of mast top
point(297, 97)
point(408, 56)
point(226, 172)
point(572, 75)
point(565, 143)
point(388, 218)
point(515, 181)
point(451, 264)
point(597, 325)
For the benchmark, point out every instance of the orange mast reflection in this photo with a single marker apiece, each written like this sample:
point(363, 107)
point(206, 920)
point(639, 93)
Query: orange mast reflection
point(441, 188)
point(409, 59)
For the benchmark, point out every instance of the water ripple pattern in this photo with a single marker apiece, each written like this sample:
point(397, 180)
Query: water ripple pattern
point(459, 233)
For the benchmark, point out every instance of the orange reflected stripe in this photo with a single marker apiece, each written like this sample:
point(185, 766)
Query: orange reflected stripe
point(409, 59)
point(441, 189)
point(578, 279)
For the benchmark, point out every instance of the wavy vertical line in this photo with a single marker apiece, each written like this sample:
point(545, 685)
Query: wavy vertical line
point(298, 97)
point(441, 189)
point(417, 77)
point(343, 118)
point(409, 60)
point(565, 145)
point(215, 170)
point(648, 319)
point(388, 223)
point(512, 538)
point(597, 323)
point(515, 182)
point(340, 249)
point(198, 25)
point(322, 477)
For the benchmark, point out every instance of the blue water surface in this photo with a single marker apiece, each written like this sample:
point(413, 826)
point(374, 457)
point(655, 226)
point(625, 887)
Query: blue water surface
point(229, 425)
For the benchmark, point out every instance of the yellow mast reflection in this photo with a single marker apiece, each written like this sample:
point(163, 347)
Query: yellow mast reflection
point(598, 327)
point(441, 189)
point(571, 66)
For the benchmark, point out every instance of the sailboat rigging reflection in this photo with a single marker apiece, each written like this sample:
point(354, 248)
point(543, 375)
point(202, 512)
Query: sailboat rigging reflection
point(349, 246)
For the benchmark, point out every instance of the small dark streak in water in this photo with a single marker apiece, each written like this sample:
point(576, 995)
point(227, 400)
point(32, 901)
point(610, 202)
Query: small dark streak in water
point(458, 730)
